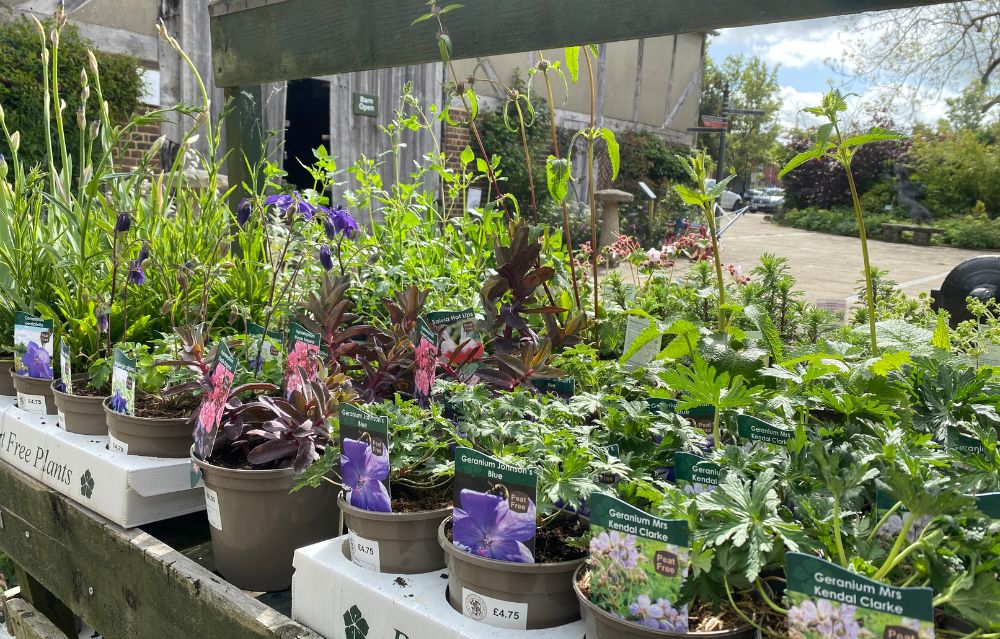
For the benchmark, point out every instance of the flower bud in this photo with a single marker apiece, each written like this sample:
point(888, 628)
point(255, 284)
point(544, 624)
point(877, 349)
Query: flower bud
point(234, 315)
point(202, 118)
point(191, 141)
point(54, 37)
point(85, 94)
point(1, 114)
point(15, 141)
point(165, 309)
point(3, 167)
point(62, 105)
point(81, 119)
point(157, 144)
point(92, 59)
point(95, 129)
point(45, 57)
point(39, 28)
point(124, 222)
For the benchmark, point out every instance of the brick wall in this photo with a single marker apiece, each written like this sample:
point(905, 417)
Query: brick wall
point(141, 138)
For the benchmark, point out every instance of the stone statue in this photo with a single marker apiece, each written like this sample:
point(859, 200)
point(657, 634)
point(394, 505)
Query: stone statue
point(907, 193)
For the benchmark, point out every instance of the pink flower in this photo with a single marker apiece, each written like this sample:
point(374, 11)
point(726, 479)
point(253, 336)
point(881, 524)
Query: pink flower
point(425, 360)
point(302, 356)
point(214, 402)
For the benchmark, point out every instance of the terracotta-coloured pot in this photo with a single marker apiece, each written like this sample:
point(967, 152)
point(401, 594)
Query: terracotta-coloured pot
point(257, 523)
point(600, 624)
point(401, 543)
point(149, 437)
point(33, 392)
point(80, 414)
point(546, 589)
point(6, 376)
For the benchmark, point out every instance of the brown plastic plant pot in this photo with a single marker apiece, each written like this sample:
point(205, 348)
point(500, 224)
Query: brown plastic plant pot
point(407, 542)
point(81, 414)
point(168, 438)
point(257, 523)
point(37, 387)
point(547, 589)
point(6, 376)
point(599, 624)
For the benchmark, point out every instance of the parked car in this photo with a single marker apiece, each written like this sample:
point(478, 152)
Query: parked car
point(768, 200)
point(728, 200)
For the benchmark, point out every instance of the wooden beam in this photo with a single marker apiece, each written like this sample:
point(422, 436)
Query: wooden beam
point(125, 583)
point(47, 604)
point(256, 41)
point(244, 137)
point(28, 623)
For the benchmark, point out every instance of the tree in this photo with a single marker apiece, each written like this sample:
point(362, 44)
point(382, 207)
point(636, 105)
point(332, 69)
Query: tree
point(752, 85)
point(921, 52)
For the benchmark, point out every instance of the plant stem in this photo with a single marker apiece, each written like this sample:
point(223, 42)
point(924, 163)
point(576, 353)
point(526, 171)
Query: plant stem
point(743, 616)
point(770, 604)
point(885, 518)
point(836, 532)
point(527, 160)
point(716, 418)
point(908, 521)
point(710, 217)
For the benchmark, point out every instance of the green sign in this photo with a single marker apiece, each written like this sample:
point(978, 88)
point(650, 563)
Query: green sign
point(213, 402)
point(364, 459)
point(665, 405)
point(757, 430)
point(989, 504)
point(965, 444)
point(365, 104)
point(830, 601)
point(564, 387)
point(694, 474)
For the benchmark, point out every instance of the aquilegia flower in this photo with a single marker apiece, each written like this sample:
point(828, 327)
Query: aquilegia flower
point(486, 526)
point(338, 221)
point(118, 403)
point(326, 257)
point(124, 223)
point(243, 212)
point(103, 323)
point(135, 273)
point(822, 619)
point(286, 201)
point(363, 472)
point(37, 362)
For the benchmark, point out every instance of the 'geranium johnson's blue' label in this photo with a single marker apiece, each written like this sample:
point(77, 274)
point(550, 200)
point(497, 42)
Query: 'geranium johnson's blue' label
point(667, 405)
point(364, 459)
point(459, 345)
point(757, 430)
point(123, 384)
point(638, 564)
point(695, 474)
point(33, 344)
point(66, 366)
point(494, 514)
point(564, 387)
point(213, 402)
point(830, 601)
point(302, 364)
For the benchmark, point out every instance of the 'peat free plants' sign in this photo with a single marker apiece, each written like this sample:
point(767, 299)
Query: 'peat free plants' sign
point(638, 564)
point(213, 402)
point(364, 459)
point(829, 601)
point(494, 514)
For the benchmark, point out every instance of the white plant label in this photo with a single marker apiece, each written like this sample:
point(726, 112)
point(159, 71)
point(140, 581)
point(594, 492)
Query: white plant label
point(62, 420)
point(634, 326)
point(212, 508)
point(32, 403)
point(364, 552)
point(510, 615)
point(117, 446)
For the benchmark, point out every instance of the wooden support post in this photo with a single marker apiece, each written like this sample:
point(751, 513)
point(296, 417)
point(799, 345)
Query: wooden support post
point(47, 604)
point(28, 623)
point(244, 137)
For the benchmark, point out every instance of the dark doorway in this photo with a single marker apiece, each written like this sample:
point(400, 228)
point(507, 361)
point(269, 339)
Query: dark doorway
point(307, 115)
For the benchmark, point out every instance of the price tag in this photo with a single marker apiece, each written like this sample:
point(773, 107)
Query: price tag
point(117, 446)
point(212, 508)
point(364, 552)
point(511, 615)
point(32, 403)
point(62, 420)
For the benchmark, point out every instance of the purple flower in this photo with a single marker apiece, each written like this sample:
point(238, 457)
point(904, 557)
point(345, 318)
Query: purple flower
point(362, 473)
point(824, 619)
point(326, 257)
point(621, 549)
point(243, 212)
point(103, 323)
point(118, 403)
point(486, 526)
point(36, 362)
point(123, 224)
point(285, 201)
point(135, 273)
point(339, 221)
point(659, 615)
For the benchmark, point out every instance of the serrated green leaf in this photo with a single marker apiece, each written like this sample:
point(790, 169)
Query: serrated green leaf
point(573, 63)
point(942, 334)
point(557, 174)
point(468, 155)
point(890, 362)
point(614, 153)
point(799, 160)
point(689, 195)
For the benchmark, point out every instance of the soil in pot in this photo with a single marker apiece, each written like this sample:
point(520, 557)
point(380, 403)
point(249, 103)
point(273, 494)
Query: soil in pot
point(257, 523)
point(6, 381)
point(82, 412)
point(405, 540)
point(36, 392)
point(526, 596)
point(164, 437)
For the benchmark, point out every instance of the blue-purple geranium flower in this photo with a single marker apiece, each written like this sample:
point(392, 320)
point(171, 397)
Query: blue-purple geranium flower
point(294, 200)
point(36, 362)
point(118, 403)
point(486, 526)
point(363, 474)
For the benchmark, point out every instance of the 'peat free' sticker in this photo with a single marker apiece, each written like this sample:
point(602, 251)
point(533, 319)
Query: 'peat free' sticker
point(638, 564)
point(492, 496)
point(364, 459)
point(33, 344)
point(822, 594)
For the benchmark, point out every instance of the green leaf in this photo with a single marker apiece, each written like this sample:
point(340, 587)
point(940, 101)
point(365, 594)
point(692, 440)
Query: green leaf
point(647, 335)
point(473, 99)
point(942, 334)
point(573, 63)
point(614, 153)
point(876, 134)
point(426, 16)
point(799, 160)
point(689, 195)
point(482, 165)
point(771, 335)
point(467, 156)
point(450, 8)
point(890, 362)
point(444, 46)
point(557, 174)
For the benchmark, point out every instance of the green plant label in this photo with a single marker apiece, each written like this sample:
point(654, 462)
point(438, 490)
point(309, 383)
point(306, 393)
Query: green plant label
point(425, 361)
point(989, 504)
point(494, 514)
point(123, 384)
point(364, 459)
point(695, 474)
point(66, 366)
point(213, 402)
point(33, 345)
point(830, 601)
point(261, 345)
point(564, 387)
point(612, 450)
point(640, 328)
point(757, 430)
point(638, 564)
point(965, 444)
point(302, 364)
point(459, 343)
point(667, 405)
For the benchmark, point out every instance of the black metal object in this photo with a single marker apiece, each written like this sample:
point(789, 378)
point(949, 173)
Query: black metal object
point(977, 277)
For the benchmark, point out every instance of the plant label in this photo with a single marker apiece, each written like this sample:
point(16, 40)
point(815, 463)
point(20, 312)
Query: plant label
point(492, 496)
point(611, 479)
point(364, 459)
point(302, 364)
point(989, 504)
point(695, 474)
point(510, 615)
point(667, 405)
point(638, 564)
point(66, 366)
point(263, 346)
point(61, 422)
point(213, 402)
point(646, 333)
point(965, 444)
point(123, 384)
point(757, 430)
point(212, 508)
point(34, 404)
point(194, 473)
point(990, 355)
point(459, 344)
point(117, 446)
point(33, 344)
point(564, 387)
point(364, 552)
point(822, 593)
point(425, 361)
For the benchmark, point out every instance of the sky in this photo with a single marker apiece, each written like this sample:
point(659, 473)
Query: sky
point(804, 51)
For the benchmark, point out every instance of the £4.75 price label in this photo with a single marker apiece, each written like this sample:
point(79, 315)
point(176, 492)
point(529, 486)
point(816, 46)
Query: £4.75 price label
point(511, 615)
point(364, 552)
point(31, 403)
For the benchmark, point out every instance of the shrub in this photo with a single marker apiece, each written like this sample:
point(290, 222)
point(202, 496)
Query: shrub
point(957, 168)
point(972, 232)
point(646, 157)
point(838, 221)
point(21, 85)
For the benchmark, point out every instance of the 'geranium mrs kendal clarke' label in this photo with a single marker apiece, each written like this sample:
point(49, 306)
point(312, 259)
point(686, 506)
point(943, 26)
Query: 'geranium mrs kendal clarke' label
point(830, 601)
